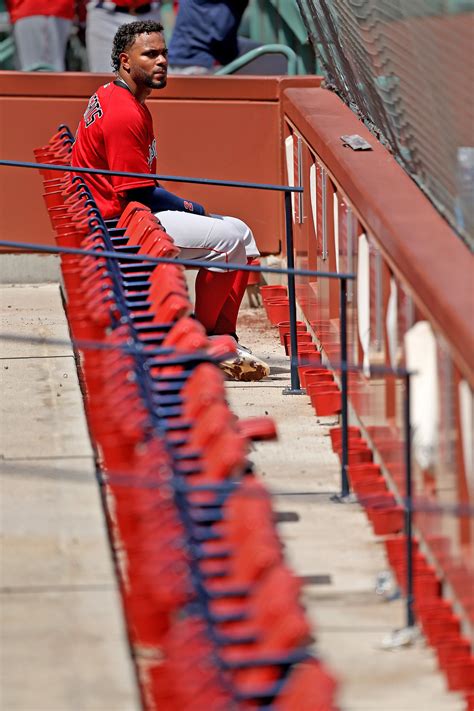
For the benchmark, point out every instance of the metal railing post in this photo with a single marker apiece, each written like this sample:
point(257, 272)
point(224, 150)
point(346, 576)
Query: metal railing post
point(244, 59)
point(345, 489)
point(410, 614)
point(295, 388)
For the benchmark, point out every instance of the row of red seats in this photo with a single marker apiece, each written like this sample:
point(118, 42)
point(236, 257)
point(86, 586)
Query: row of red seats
point(213, 611)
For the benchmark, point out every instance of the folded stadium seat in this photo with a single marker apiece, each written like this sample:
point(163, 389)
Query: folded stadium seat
point(253, 640)
point(124, 412)
point(63, 189)
point(139, 224)
point(215, 418)
point(129, 211)
point(155, 243)
point(58, 200)
point(223, 458)
point(138, 229)
point(154, 565)
point(157, 583)
point(188, 677)
point(157, 246)
point(248, 562)
point(152, 336)
point(59, 146)
point(269, 657)
point(95, 300)
point(275, 593)
point(83, 328)
point(214, 424)
point(206, 385)
point(206, 425)
point(77, 207)
point(67, 183)
point(57, 150)
point(221, 536)
point(246, 522)
point(123, 419)
point(183, 337)
point(165, 281)
point(197, 388)
point(309, 687)
point(244, 509)
point(59, 157)
point(172, 308)
point(144, 491)
point(59, 153)
point(186, 335)
point(247, 508)
point(206, 381)
point(61, 204)
point(62, 137)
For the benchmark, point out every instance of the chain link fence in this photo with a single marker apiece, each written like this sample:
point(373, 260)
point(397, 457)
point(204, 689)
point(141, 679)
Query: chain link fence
point(406, 67)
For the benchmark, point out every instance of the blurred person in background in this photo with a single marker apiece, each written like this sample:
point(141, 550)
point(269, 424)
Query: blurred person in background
point(205, 34)
point(103, 20)
point(41, 29)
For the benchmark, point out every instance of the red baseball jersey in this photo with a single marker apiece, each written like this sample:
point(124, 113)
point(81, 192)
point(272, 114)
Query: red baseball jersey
point(115, 133)
point(19, 9)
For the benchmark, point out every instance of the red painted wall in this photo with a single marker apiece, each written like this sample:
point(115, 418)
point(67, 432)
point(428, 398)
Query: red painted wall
point(227, 129)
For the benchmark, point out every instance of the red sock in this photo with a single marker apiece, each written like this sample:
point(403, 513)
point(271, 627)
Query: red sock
point(212, 292)
point(227, 321)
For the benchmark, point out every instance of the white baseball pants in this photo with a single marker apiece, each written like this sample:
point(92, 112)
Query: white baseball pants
point(41, 42)
point(216, 239)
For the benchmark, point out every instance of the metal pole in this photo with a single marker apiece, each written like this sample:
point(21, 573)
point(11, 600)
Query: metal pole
point(410, 614)
point(295, 388)
point(131, 258)
point(154, 176)
point(345, 489)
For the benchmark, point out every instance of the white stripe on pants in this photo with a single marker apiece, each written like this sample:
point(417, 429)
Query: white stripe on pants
point(211, 238)
point(102, 24)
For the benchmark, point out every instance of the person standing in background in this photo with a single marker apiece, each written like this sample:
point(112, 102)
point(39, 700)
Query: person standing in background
point(103, 20)
point(205, 34)
point(41, 30)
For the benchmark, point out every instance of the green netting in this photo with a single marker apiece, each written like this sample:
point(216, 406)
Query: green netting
point(407, 68)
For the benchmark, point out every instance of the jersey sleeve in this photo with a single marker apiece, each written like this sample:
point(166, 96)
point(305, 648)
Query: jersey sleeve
point(128, 148)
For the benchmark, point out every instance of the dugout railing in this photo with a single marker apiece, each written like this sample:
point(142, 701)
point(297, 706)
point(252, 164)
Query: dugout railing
point(342, 366)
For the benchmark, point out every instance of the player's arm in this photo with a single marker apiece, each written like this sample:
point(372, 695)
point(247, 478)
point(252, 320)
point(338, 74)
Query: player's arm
point(158, 200)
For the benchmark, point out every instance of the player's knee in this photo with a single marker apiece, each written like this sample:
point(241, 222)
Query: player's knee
point(235, 243)
point(237, 228)
point(244, 234)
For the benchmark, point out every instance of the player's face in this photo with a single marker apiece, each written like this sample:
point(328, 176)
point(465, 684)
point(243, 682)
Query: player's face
point(147, 61)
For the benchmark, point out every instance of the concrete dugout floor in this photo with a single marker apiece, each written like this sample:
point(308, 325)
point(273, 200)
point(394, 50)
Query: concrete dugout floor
point(62, 637)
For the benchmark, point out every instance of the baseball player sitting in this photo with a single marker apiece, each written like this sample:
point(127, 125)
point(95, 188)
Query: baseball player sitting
point(116, 133)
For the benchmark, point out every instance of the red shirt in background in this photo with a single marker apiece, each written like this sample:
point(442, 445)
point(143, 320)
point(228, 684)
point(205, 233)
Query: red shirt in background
point(18, 9)
point(115, 133)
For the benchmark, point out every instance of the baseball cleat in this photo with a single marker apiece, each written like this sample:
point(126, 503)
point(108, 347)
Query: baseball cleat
point(245, 366)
